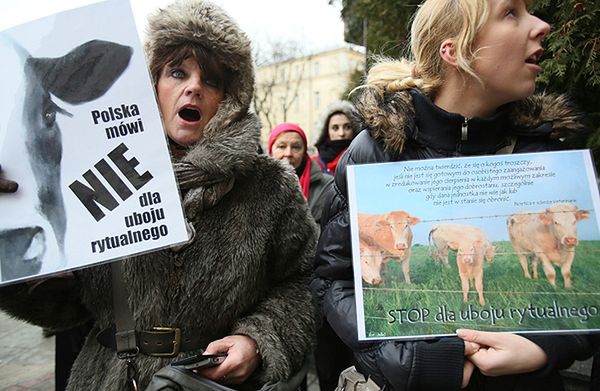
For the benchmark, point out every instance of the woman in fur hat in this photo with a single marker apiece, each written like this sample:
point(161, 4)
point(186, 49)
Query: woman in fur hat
point(337, 129)
point(240, 285)
point(468, 91)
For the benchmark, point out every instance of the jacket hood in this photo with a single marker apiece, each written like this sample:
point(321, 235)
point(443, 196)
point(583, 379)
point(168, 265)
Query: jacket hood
point(391, 118)
point(343, 106)
point(202, 23)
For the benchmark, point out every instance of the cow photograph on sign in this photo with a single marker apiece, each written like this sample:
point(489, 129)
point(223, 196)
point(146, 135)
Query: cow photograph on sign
point(82, 75)
point(502, 243)
point(81, 134)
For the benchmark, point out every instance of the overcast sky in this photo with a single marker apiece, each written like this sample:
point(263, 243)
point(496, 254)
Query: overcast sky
point(313, 24)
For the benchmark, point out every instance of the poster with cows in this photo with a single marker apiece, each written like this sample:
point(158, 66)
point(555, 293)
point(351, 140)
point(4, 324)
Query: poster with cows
point(496, 243)
point(81, 133)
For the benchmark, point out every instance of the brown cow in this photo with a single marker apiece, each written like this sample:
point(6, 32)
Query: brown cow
point(549, 236)
point(440, 235)
point(384, 236)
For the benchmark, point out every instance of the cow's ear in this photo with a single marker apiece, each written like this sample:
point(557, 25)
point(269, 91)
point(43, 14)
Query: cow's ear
point(582, 215)
point(85, 73)
point(453, 245)
point(545, 217)
point(414, 220)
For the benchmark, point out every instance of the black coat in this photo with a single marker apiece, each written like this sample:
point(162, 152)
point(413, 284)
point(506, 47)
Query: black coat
point(407, 126)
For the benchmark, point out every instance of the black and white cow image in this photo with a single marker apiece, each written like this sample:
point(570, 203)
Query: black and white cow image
point(84, 74)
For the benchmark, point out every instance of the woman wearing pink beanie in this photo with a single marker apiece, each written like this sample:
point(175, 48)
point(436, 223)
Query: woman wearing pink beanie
point(287, 141)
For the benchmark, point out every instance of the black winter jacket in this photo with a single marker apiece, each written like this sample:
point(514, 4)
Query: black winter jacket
point(407, 126)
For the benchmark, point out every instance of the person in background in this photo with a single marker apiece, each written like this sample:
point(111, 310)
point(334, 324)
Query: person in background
point(468, 90)
point(240, 284)
point(336, 130)
point(287, 141)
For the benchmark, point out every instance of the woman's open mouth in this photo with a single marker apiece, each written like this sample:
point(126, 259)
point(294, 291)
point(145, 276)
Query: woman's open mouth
point(189, 114)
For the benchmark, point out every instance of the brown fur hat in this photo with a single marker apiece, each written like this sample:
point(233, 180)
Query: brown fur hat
point(203, 23)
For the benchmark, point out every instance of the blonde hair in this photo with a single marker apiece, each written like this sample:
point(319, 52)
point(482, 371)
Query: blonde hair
point(434, 22)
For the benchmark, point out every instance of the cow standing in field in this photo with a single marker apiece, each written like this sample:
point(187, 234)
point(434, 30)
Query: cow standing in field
point(384, 236)
point(549, 236)
point(471, 245)
point(440, 235)
point(36, 214)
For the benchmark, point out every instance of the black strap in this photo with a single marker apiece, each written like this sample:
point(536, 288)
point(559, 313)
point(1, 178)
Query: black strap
point(125, 335)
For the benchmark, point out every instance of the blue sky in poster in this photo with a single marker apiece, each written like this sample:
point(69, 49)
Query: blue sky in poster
point(480, 191)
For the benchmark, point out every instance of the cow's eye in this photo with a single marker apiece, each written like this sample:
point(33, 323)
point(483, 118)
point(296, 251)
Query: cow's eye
point(49, 113)
point(49, 118)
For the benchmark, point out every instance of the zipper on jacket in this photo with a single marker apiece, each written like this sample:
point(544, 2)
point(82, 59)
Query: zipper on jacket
point(464, 130)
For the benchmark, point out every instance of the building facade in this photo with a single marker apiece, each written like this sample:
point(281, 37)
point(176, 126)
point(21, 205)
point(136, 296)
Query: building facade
point(299, 89)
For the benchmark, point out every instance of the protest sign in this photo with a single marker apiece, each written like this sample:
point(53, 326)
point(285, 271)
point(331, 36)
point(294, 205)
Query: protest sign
point(80, 131)
point(499, 243)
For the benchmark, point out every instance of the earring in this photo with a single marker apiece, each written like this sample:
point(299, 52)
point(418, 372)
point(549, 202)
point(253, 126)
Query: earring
point(444, 51)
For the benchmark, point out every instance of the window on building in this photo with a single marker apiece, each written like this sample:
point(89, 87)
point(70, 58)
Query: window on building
point(317, 100)
point(298, 72)
point(317, 70)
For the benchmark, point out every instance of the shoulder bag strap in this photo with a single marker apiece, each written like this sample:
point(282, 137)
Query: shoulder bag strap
point(125, 337)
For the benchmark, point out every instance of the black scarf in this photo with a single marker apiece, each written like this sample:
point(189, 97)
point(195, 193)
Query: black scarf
point(329, 150)
point(300, 168)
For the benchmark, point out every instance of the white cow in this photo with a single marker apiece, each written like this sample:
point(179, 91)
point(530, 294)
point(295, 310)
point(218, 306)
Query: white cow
point(549, 236)
point(471, 245)
point(440, 235)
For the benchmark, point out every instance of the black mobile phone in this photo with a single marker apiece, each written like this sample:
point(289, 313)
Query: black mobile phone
point(201, 361)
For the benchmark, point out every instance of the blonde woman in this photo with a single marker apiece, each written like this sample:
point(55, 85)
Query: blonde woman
point(467, 90)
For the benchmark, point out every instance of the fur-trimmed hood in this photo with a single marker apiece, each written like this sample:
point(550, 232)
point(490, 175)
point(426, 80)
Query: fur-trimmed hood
point(391, 118)
point(343, 106)
point(203, 23)
point(229, 145)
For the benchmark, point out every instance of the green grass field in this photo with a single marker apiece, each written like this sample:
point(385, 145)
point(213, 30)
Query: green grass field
point(433, 303)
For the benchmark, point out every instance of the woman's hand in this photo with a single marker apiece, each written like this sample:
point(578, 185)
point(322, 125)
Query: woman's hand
point(503, 353)
point(7, 186)
point(242, 359)
point(468, 368)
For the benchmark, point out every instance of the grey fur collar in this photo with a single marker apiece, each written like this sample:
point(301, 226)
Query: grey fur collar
point(208, 170)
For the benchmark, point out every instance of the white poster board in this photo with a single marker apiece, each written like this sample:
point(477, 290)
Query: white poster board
point(498, 243)
point(81, 133)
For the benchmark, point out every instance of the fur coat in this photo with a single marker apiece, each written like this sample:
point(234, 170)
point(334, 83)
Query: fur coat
point(245, 270)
